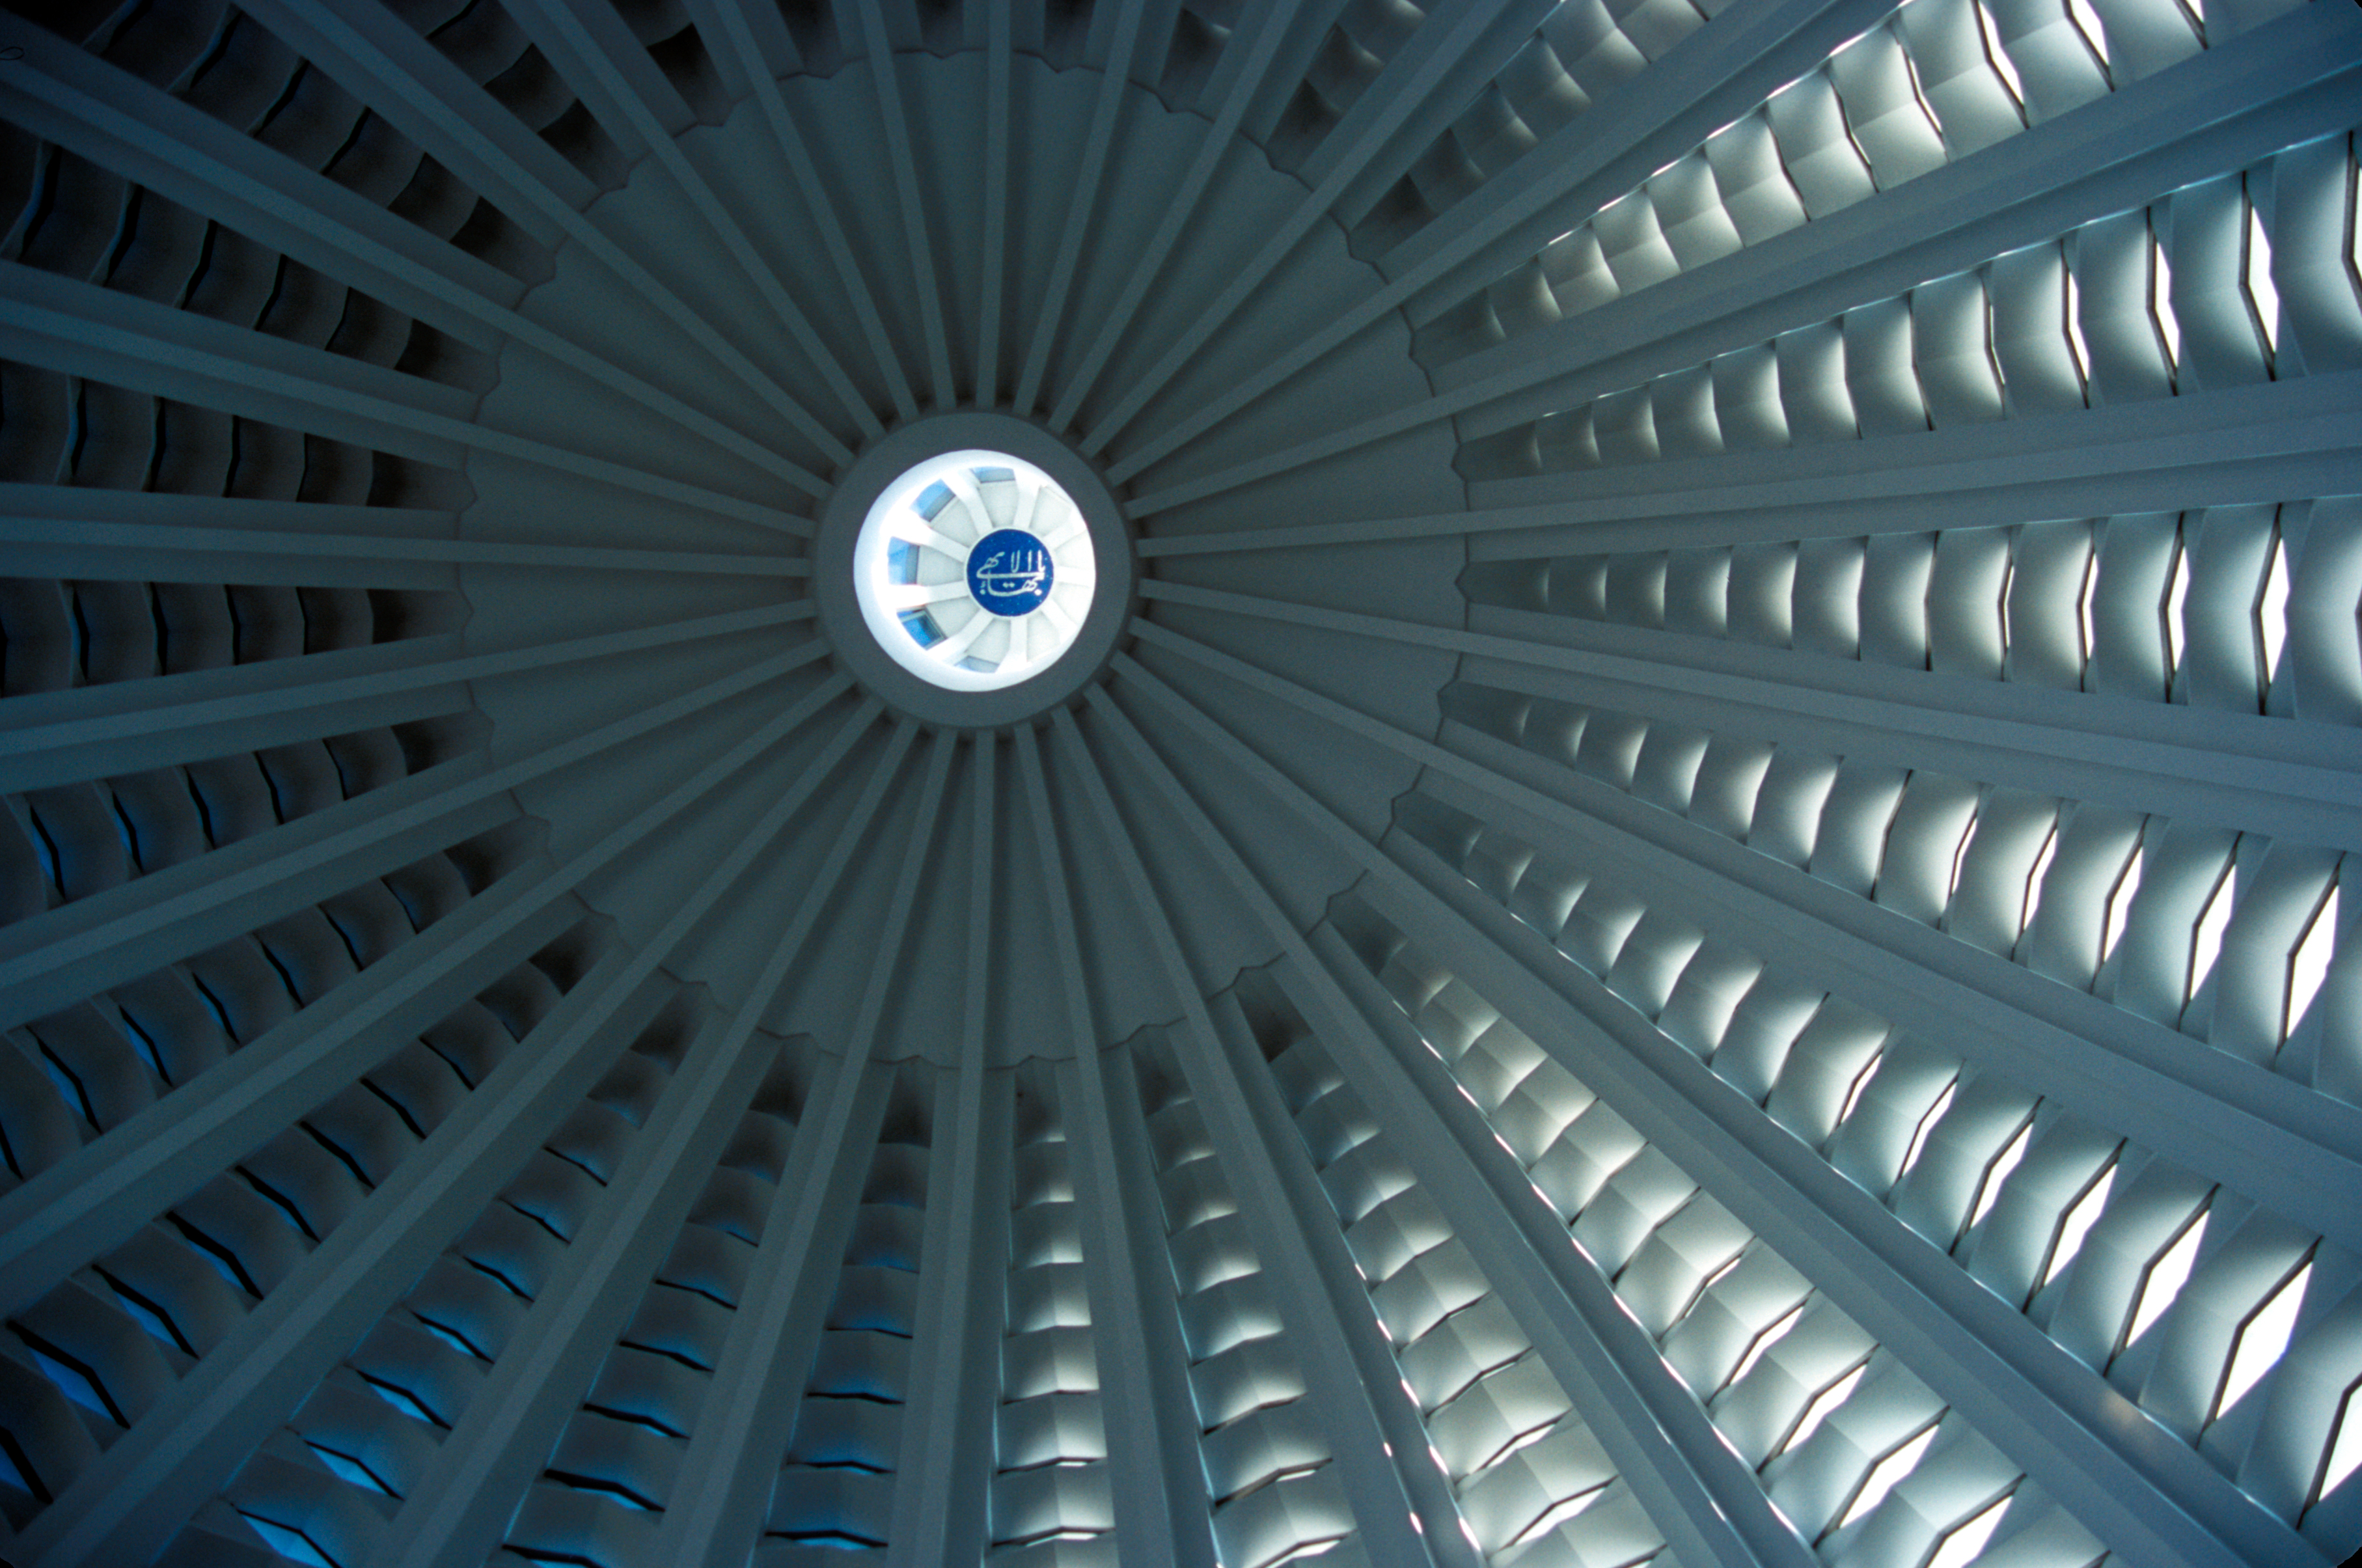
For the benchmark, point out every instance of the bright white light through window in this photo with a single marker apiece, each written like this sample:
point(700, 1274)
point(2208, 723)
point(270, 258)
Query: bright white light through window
point(2160, 301)
point(2259, 277)
point(2309, 964)
point(1827, 1400)
point(2166, 1276)
point(1960, 1548)
point(974, 571)
point(2345, 1447)
point(2271, 609)
point(2087, 22)
point(2078, 1223)
point(1999, 1173)
point(1771, 1336)
point(1999, 57)
point(2265, 1339)
point(2120, 904)
point(1926, 1125)
point(1886, 1474)
point(2034, 879)
point(2206, 942)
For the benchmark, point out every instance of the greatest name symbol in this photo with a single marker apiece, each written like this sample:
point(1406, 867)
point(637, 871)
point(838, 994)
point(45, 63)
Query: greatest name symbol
point(1010, 572)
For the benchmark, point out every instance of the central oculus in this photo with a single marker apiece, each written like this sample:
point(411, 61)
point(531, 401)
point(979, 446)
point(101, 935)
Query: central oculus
point(974, 569)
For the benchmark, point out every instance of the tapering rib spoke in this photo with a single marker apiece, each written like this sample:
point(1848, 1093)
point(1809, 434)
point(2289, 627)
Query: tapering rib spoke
point(84, 947)
point(619, 80)
point(2152, 756)
point(1350, 1373)
point(732, 1459)
point(941, 1508)
point(998, 64)
point(90, 732)
point(1405, 84)
point(894, 123)
point(85, 330)
point(2247, 443)
point(112, 117)
point(1152, 1470)
point(759, 44)
point(376, 55)
point(1270, 23)
point(1723, 71)
point(1082, 202)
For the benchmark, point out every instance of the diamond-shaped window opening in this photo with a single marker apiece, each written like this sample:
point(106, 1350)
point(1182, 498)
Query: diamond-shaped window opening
point(974, 571)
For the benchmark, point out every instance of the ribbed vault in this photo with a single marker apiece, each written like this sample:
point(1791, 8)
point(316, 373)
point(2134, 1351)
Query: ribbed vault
point(1698, 920)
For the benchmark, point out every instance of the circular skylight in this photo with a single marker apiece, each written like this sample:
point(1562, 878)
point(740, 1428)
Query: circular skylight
point(974, 571)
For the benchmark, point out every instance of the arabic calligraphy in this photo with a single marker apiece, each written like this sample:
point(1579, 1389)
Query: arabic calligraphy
point(1010, 572)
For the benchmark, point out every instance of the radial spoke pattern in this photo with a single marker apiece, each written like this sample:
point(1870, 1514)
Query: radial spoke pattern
point(1702, 921)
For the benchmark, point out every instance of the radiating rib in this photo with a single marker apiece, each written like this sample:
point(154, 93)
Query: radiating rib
point(733, 1460)
point(2286, 1145)
point(82, 549)
point(620, 78)
point(2150, 756)
point(2258, 443)
point(85, 947)
point(79, 101)
point(1151, 1471)
point(89, 732)
point(1081, 203)
point(499, 1446)
point(85, 330)
point(2049, 1412)
point(1615, 1377)
point(925, 279)
point(1350, 1373)
point(1270, 23)
point(1404, 84)
point(759, 59)
point(86, 1204)
point(387, 65)
point(944, 1469)
point(1730, 67)
point(998, 62)
point(2151, 137)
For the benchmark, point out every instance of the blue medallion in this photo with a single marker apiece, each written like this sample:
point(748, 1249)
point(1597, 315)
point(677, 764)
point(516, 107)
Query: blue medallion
point(1010, 572)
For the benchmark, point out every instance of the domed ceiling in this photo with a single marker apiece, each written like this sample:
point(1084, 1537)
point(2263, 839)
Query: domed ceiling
point(1648, 869)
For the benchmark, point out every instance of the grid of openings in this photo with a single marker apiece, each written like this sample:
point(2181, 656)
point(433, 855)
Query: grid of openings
point(1268, 1465)
point(85, 1360)
point(2229, 1342)
point(331, 1479)
point(1936, 80)
point(1772, 1361)
point(1049, 1502)
point(1582, 50)
point(69, 1076)
point(1533, 1484)
point(2206, 608)
point(2237, 939)
point(614, 1465)
point(835, 1489)
point(2245, 278)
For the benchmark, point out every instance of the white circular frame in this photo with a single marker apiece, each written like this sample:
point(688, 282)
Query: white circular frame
point(882, 466)
point(917, 602)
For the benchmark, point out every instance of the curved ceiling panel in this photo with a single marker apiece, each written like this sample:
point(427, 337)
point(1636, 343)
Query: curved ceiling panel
point(1698, 919)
